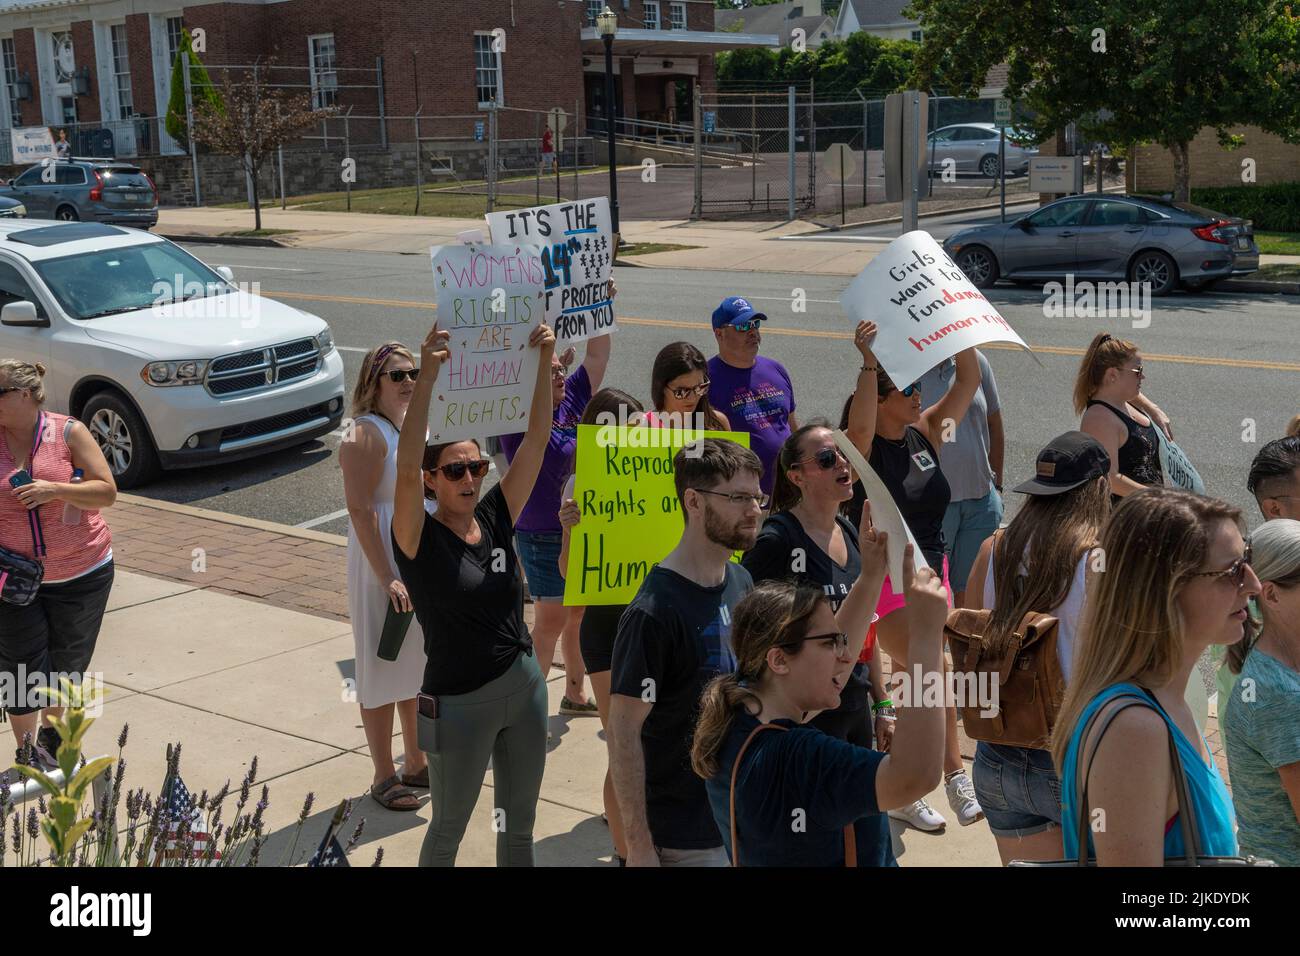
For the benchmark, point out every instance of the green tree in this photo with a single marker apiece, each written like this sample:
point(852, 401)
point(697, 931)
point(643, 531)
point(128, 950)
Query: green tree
point(1159, 71)
point(859, 62)
point(201, 91)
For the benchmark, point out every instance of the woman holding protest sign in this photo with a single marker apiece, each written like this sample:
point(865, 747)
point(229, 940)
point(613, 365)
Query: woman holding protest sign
point(679, 390)
point(484, 695)
point(1108, 394)
point(901, 443)
point(600, 621)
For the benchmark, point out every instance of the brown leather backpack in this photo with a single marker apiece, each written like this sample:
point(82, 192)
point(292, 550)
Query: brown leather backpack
point(1027, 678)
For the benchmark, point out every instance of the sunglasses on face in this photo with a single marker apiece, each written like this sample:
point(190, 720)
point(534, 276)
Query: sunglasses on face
point(1235, 572)
point(399, 375)
point(826, 459)
point(681, 394)
point(750, 326)
point(841, 642)
point(1140, 373)
point(907, 392)
point(456, 470)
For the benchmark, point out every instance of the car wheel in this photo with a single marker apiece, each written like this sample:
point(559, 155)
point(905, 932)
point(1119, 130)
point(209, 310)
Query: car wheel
point(67, 214)
point(1155, 267)
point(123, 438)
point(989, 167)
point(979, 265)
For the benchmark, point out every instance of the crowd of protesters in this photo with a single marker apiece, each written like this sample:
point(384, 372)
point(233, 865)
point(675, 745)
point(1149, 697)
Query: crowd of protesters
point(774, 612)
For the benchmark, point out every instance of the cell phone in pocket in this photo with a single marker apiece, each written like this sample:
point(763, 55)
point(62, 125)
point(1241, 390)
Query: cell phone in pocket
point(428, 705)
point(426, 723)
point(20, 478)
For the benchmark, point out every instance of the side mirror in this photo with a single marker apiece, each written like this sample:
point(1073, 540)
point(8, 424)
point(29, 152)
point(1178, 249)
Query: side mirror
point(226, 273)
point(1024, 225)
point(22, 314)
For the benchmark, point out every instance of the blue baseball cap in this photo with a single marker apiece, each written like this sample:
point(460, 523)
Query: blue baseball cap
point(735, 309)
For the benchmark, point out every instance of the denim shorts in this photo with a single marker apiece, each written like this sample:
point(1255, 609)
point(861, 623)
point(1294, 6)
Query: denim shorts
point(539, 552)
point(1018, 789)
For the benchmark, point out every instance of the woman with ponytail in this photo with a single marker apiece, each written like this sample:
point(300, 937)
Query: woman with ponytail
point(797, 796)
point(1261, 716)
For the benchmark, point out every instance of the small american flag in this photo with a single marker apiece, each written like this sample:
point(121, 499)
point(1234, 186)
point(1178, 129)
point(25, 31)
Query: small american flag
point(181, 809)
point(331, 852)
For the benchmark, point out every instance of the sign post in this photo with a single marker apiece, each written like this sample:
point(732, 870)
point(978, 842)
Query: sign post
point(1002, 118)
point(558, 121)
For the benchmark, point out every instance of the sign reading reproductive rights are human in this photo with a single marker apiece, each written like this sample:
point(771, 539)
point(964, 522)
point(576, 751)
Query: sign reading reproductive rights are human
point(577, 243)
point(631, 518)
point(490, 298)
point(924, 307)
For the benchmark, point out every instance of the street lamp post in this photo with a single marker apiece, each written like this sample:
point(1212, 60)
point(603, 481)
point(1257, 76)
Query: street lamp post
point(606, 27)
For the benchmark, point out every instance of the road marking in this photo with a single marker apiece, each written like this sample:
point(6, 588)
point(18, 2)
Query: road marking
point(350, 348)
point(846, 336)
point(323, 519)
point(786, 298)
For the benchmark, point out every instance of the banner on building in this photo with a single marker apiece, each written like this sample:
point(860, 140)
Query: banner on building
point(31, 144)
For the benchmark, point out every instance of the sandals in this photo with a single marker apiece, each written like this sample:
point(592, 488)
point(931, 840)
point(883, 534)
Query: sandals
point(391, 795)
point(419, 780)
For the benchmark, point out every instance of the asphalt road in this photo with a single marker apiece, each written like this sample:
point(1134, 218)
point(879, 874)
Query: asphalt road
point(1215, 363)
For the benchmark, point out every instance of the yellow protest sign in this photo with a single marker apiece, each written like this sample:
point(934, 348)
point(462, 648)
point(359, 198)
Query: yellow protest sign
point(631, 518)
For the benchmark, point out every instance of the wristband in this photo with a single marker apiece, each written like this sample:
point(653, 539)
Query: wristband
point(882, 704)
point(871, 368)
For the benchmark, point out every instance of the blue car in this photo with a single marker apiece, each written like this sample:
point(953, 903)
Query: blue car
point(1133, 238)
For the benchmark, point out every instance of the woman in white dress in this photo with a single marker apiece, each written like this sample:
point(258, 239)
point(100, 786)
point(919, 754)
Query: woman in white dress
point(368, 457)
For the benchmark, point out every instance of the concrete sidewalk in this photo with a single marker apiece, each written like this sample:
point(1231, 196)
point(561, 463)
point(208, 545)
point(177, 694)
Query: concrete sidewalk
point(248, 656)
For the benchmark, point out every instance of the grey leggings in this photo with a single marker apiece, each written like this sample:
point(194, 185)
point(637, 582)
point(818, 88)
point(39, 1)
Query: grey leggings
point(504, 719)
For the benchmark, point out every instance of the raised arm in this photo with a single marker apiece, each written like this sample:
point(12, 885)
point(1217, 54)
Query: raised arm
point(862, 410)
point(596, 359)
point(517, 484)
point(956, 400)
point(408, 498)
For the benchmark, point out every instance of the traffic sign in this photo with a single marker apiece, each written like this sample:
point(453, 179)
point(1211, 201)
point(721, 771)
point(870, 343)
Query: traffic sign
point(710, 122)
point(838, 161)
point(1001, 112)
point(478, 132)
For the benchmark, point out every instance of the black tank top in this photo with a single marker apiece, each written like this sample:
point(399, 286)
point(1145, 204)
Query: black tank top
point(910, 470)
point(1139, 456)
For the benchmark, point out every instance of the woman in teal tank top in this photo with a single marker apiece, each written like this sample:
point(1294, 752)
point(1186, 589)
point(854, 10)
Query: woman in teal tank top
point(1177, 580)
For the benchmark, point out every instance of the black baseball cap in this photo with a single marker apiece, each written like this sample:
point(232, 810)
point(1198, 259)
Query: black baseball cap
point(1067, 462)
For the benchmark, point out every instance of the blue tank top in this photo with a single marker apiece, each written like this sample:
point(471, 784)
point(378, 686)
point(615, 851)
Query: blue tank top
point(1210, 799)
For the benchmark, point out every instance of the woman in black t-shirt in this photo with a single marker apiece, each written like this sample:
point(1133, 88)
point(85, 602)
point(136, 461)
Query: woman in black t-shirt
point(1108, 394)
point(902, 444)
point(460, 568)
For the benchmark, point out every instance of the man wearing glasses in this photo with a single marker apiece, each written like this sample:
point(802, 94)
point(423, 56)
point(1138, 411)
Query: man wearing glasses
point(1274, 478)
point(754, 392)
point(673, 639)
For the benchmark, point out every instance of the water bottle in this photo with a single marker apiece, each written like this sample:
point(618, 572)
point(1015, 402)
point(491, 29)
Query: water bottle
point(71, 513)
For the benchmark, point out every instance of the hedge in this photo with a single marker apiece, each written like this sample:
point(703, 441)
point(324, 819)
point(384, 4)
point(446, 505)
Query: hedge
point(1273, 208)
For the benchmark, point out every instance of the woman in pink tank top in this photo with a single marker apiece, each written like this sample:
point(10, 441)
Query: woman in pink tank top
point(53, 482)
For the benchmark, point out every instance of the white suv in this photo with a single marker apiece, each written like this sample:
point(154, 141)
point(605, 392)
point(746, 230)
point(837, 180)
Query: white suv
point(166, 361)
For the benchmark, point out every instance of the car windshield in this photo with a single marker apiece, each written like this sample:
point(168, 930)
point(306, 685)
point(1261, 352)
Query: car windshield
point(92, 284)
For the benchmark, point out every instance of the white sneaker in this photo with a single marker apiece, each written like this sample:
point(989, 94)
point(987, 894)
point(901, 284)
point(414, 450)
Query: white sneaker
point(920, 815)
point(961, 797)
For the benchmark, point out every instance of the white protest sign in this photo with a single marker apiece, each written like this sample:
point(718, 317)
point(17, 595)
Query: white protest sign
point(1177, 467)
point(577, 255)
point(490, 299)
point(925, 308)
point(885, 515)
point(31, 144)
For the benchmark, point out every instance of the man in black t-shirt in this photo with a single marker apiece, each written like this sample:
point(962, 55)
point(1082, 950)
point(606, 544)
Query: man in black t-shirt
point(673, 639)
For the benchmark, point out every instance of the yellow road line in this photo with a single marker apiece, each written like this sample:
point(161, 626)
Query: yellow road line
point(821, 334)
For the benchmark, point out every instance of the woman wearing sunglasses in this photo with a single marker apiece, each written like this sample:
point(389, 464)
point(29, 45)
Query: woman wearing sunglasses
point(902, 444)
point(368, 460)
point(484, 696)
point(679, 390)
point(1108, 394)
point(795, 796)
point(1177, 580)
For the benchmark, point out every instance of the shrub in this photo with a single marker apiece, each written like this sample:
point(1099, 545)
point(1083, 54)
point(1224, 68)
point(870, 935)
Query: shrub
point(1273, 208)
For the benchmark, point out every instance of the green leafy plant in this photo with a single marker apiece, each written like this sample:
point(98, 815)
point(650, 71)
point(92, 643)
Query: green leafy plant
point(202, 91)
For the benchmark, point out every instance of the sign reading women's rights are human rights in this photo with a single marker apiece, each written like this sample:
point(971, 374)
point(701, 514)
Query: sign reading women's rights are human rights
point(924, 307)
point(490, 298)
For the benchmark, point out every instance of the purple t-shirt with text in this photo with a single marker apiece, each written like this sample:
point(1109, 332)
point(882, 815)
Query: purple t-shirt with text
point(540, 514)
point(758, 400)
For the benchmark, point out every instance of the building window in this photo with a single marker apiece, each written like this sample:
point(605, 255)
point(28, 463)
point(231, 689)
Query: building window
point(10, 57)
point(916, 36)
point(121, 71)
point(485, 69)
point(678, 13)
point(652, 14)
point(324, 71)
point(175, 27)
point(593, 10)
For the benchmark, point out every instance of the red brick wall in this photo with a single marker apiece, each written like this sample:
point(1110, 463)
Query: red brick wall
point(83, 47)
point(25, 51)
point(138, 53)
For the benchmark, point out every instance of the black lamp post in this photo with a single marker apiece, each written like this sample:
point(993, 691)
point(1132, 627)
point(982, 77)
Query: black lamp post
point(606, 27)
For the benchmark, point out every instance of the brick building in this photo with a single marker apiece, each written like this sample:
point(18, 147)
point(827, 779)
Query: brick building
point(105, 65)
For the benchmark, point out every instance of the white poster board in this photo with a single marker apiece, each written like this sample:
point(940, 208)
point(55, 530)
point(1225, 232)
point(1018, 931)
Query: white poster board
point(924, 307)
point(577, 241)
point(885, 515)
point(490, 298)
point(31, 144)
point(1177, 467)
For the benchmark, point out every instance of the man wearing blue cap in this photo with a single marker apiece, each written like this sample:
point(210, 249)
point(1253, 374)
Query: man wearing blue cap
point(754, 392)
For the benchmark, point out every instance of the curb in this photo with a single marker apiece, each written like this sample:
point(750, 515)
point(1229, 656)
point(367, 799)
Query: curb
point(229, 241)
point(223, 518)
point(1256, 285)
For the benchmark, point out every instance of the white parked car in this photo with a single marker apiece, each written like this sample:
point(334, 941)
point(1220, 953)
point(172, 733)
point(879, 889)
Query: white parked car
point(165, 359)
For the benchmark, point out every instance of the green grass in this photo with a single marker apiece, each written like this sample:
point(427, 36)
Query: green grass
point(254, 233)
point(1278, 272)
point(1278, 243)
point(649, 248)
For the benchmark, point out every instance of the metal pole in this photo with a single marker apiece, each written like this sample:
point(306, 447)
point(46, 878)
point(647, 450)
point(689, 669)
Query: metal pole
point(789, 148)
point(812, 141)
point(697, 119)
point(1002, 173)
point(753, 143)
point(279, 155)
point(865, 146)
point(419, 163)
point(575, 154)
point(537, 138)
point(911, 156)
point(841, 189)
point(492, 156)
point(611, 113)
point(347, 151)
point(189, 132)
point(383, 122)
